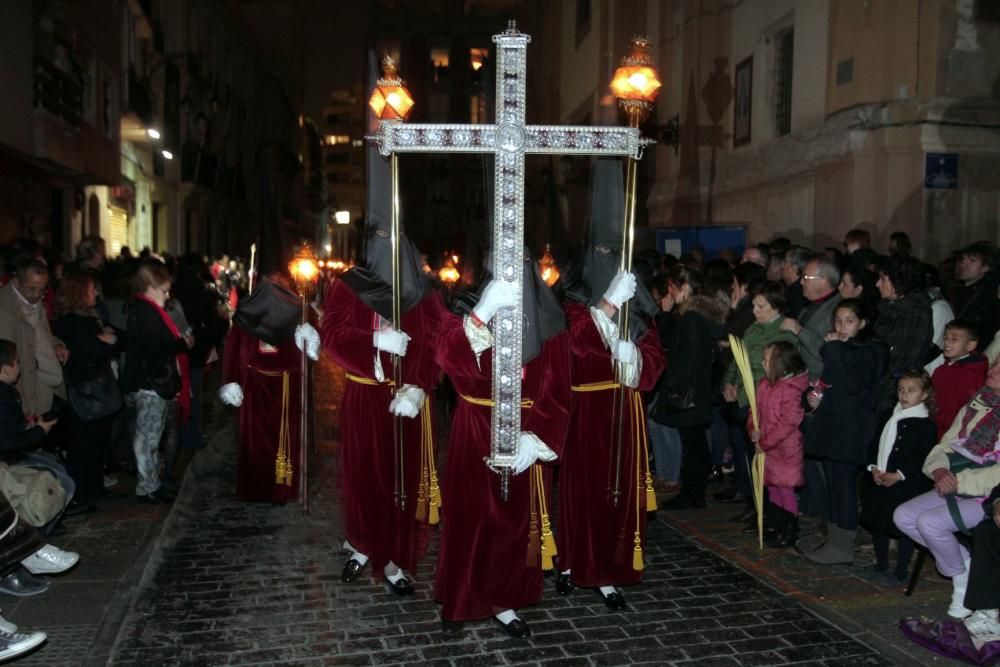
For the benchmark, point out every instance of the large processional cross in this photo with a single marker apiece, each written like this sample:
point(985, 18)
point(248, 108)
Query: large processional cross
point(509, 139)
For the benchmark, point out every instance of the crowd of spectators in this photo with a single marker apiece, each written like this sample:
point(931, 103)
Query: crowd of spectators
point(897, 360)
point(101, 366)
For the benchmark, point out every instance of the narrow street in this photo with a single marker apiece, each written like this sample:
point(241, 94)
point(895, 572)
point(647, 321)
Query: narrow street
point(234, 583)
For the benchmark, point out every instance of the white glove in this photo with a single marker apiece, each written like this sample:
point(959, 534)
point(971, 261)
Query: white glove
point(496, 295)
point(307, 339)
point(624, 351)
point(621, 289)
point(527, 453)
point(391, 341)
point(231, 394)
point(408, 401)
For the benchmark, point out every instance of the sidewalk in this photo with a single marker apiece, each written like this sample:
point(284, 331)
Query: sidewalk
point(84, 608)
point(838, 593)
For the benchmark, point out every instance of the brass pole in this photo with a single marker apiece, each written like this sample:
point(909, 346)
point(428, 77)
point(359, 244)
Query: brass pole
point(399, 488)
point(304, 417)
point(628, 245)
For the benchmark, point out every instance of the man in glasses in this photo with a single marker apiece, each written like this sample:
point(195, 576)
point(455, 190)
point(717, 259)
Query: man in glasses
point(23, 320)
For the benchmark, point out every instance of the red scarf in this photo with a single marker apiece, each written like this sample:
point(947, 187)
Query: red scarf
point(184, 397)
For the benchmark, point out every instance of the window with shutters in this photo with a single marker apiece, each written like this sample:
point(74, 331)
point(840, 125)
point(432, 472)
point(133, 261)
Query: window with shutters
point(784, 48)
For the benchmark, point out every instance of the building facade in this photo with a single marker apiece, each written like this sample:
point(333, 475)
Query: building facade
point(806, 118)
point(151, 123)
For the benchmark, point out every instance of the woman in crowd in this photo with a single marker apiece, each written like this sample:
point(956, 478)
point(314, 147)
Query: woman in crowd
point(156, 372)
point(689, 326)
point(860, 284)
point(94, 398)
point(768, 304)
point(904, 324)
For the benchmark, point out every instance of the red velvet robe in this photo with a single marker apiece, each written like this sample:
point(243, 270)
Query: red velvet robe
point(375, 525)
point(261, 372)
point(483, 563)
point(596, 539)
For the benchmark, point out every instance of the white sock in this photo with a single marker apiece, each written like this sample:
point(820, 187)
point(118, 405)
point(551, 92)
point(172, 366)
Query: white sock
point(566, 572)
point(393, 572)
point(506, 617)
point(360, 557)
point(607, 590)
point(349, 547)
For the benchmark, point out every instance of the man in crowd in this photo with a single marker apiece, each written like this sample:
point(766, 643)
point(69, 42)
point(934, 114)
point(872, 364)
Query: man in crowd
point(976, 297)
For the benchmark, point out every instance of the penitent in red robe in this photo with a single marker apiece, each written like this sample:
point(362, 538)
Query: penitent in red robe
point(488, 562)
point(376, 524)
point(596, 538)
point(269, 377)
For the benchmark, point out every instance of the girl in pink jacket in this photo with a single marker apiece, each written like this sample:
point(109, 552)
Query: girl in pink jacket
point(779, 406)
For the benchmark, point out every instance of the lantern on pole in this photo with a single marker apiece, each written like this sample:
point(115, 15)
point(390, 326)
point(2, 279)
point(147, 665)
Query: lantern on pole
point(635, 85)
point(547, 267)
point(392, 103)
point(304, 270)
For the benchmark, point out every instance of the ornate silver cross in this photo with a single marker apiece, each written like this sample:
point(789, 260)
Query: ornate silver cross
point(509, 139)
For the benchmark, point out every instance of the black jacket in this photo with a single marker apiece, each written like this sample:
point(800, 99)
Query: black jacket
point(16, 437)
point(978, 303)
point(201, 308)
point(89, 356)
point(915, 437)
point(684, 397)
point(150, 349)
point(843, 427)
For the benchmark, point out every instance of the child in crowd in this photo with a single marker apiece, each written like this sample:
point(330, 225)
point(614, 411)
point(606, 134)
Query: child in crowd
point(960, 372)
point(779, 406)
point(843, 425)
point(17, 436)
point(896, 474)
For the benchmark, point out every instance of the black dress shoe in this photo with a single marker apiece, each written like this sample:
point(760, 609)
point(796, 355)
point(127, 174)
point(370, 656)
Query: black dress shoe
point(451, 628)
point(517, 628)
point(614, 600)
point(22, 583)
point(351, 570)
point(77, 507)
point(564, 586)
point(402, 587)
point(725, 494)
point(683, 503)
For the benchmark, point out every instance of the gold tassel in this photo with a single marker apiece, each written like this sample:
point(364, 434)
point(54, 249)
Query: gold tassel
point(422, 490)
point(637, 564)
point(650, 495)
point(549, 551)
point(434, 491)
point(282, 464)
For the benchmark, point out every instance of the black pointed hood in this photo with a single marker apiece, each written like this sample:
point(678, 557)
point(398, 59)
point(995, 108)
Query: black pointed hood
point(600, 260)
point(372, 282)
point(271, 313)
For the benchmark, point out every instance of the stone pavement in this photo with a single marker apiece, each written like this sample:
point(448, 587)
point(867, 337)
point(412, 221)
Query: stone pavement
point(246, 584)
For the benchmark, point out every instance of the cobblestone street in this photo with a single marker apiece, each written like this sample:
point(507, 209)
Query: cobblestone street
point(235, 583)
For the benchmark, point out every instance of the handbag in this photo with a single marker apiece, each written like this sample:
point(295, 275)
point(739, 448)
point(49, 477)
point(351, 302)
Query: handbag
point(165, 379)
point(95, 398)
point(678, 400)
point(36, 494)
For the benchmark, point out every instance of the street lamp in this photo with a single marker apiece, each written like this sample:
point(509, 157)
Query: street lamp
point(305, 272)
point(392, 103)
point(636, 83)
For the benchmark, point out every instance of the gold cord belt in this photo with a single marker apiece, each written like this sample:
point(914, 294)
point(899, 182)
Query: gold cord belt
point(368, 381)
point(596, 386)
point(488, 402)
